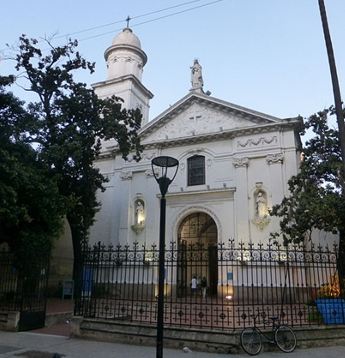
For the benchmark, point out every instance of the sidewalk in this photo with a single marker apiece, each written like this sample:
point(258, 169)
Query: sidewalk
point(16, 344)
point(57, 324)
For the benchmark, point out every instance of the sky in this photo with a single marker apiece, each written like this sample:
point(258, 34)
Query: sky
point(266, 55)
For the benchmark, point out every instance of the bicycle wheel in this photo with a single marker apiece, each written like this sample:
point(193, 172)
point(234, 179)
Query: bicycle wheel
point(251, 341)
point(285, 339)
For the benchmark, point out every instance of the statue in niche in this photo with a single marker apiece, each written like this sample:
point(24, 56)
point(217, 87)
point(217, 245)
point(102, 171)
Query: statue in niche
point(139, 216)
point(197, 81)
point(139, 212)
point(261, 205)
point(261, 218)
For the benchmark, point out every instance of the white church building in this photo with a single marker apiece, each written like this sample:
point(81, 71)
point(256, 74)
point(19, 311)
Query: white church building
point(234, 163)
point(220, 267)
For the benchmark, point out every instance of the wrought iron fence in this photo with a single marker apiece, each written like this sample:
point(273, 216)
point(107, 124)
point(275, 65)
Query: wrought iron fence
point(208, 287)
point(23, 288)
point(9, 299)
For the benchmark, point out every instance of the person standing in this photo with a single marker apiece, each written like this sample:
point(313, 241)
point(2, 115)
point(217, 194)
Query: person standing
point(203, 285)
point(194, 285)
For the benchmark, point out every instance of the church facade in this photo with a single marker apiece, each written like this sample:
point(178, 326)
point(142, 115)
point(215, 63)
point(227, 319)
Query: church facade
point(220, 268)
point(234, 163)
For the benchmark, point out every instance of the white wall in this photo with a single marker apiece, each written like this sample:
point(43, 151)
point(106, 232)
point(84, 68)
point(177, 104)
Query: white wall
point(235, 168)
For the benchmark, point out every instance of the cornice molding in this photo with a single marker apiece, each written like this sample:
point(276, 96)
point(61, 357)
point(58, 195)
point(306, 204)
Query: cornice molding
point(130, 78)
point(203, 138)
point(229, 134)
point(178, 198)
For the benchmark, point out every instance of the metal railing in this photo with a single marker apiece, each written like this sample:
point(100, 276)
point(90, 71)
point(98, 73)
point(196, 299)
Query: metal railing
point(215, 287)
point(22, 284)
point(9, 296)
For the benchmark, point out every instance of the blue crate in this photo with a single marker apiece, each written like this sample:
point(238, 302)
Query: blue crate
point(332, 310)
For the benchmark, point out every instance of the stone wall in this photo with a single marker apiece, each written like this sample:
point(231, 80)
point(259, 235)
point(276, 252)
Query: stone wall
point(198, 340)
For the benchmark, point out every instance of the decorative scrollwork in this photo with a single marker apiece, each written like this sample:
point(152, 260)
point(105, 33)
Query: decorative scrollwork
point(256, 256)
point(300, 257)
point(316, 257)
point(240, 162)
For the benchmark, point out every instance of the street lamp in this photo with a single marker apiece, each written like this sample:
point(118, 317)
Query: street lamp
point(162, 168)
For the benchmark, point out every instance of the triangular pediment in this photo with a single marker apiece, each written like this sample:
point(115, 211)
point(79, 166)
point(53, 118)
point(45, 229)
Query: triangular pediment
point(199, 115)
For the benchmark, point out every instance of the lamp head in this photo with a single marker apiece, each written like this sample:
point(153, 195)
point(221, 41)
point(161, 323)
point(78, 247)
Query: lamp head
point(164, 164)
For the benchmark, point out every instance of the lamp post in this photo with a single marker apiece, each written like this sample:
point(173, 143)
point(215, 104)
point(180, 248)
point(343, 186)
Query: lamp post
point(162, 168)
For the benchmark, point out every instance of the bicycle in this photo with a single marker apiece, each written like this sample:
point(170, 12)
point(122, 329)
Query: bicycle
point(283, 337)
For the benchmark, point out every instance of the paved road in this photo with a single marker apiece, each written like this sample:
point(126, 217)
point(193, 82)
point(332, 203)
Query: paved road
point(16, 344)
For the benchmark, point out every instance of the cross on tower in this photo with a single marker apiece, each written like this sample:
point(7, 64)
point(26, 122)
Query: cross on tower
point(128, 20)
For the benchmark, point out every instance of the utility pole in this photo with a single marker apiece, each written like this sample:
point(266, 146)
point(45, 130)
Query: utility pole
point(341, 131)
point(335, 84)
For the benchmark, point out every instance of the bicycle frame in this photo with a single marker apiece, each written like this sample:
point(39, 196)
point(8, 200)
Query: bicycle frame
point(265, 334)
point(282, 336)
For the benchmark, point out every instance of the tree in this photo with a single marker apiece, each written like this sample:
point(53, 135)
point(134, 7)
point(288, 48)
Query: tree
point(30, 205)
point(67, 125)
point(318, 192)
point(316, 198)
point(340, 122)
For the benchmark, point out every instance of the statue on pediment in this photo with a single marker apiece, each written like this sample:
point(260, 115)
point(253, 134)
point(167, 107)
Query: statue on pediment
point(196, 79)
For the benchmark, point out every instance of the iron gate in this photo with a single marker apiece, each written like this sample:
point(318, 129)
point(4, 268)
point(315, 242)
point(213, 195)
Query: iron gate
point(23, 288)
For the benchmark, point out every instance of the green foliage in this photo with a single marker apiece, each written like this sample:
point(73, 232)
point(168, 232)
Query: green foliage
point(316, 192)
point(30, 204)
point(66, 125)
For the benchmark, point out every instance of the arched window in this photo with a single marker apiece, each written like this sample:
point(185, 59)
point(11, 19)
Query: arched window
point(196, 170)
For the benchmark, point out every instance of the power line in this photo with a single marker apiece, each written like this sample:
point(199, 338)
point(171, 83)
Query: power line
point(178, 12)
point(151, 20)
point(140, 23)
point(123, 20)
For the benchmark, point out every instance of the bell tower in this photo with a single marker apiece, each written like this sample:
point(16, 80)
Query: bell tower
point(125, 62)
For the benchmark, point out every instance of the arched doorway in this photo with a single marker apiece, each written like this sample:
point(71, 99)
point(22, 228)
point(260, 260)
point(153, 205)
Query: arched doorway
point(197, 254)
